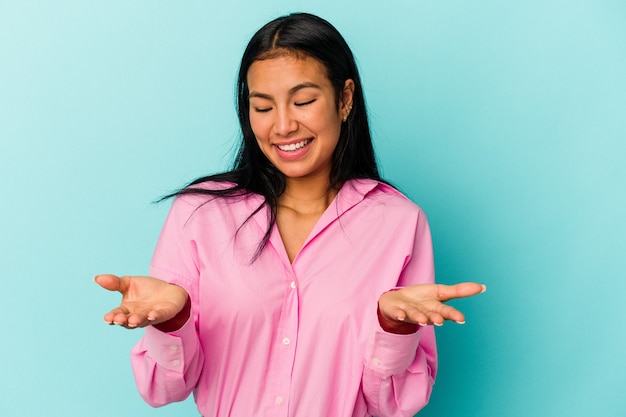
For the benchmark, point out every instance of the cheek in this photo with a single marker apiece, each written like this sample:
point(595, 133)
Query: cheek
point(257, 127)
point(333, 124)
point(333, 118)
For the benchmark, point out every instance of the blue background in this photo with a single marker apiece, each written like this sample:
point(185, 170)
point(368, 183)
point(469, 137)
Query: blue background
point(505, 121)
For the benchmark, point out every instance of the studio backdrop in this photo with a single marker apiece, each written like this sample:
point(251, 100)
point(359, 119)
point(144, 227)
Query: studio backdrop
point(504, 120)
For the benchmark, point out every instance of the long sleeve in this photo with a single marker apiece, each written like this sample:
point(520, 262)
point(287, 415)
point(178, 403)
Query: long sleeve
point(400, 369)
point(399, 373)
point(167, 365)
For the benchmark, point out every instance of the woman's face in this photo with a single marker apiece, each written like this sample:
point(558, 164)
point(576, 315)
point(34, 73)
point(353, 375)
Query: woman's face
point(294, 114)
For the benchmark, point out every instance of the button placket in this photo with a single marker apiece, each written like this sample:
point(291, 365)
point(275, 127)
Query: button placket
point(283, 356)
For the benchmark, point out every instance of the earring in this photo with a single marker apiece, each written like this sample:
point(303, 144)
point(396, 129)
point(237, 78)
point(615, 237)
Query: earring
point(345, 116)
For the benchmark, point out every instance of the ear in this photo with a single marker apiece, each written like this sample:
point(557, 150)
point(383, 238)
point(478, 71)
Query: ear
point(345, 103)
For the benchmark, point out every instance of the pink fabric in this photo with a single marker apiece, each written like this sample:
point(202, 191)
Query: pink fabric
point(271, 338)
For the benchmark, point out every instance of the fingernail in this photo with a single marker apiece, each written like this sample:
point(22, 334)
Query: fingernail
point(484, 289)
point(151, 318)
point(132, 325)
point(460, 322)
point(119, 323)
point(400, 318)
point(438, 324)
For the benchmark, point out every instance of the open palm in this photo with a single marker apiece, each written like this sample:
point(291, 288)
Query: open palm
point(424, 304)
point(145, 300)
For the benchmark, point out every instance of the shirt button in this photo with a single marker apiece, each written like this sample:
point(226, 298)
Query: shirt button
point(176, 362)
point(279, 400)
point(173, 347)
point(293, 284)
point(286, 341)
point(376, 361)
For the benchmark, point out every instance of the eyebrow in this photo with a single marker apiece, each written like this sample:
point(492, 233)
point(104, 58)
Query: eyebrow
point(292, 90)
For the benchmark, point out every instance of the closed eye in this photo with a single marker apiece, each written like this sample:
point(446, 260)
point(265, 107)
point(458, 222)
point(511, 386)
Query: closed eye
point(262, 109)
point(305, 103)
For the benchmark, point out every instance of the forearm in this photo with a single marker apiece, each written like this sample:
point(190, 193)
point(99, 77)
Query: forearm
point(399, 372)
point(167, 365)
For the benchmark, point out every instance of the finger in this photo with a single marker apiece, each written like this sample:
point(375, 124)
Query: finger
point(120, 315)
point(395, 313)
point(425, 316)
point(416, 316)
point(436, 319)
point(108, 281)
point(145, 319)
point(137, 319)
point(436, 315)
point(120, 318)
point(447, 312)
point(110, 316)
point(464, 289)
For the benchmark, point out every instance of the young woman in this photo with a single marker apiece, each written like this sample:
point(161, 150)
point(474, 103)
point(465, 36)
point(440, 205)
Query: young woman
point(298, 283)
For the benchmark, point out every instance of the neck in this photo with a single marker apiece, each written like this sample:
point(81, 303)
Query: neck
point(307, 196)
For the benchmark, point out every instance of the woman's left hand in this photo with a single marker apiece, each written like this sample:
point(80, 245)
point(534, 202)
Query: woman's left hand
point(423, 304)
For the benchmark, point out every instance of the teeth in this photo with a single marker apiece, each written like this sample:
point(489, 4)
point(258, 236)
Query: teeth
point(294, 146)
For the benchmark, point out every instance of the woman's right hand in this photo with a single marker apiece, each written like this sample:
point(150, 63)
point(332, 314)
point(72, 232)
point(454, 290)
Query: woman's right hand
point(146, 301)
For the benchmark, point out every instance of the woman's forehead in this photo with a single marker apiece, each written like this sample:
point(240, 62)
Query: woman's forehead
point(286, 72)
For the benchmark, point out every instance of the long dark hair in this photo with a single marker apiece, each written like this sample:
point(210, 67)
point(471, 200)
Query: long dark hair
point(299, 34)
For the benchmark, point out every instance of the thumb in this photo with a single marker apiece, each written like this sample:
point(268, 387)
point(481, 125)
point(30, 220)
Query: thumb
point(108, 281)
point(464, 289)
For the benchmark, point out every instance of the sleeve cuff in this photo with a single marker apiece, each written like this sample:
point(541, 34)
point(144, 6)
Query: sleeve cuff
point(391, 354)
point(168, 349)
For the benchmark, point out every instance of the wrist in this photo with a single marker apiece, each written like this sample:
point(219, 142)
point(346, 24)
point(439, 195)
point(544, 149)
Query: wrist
point(176, 322)
point(395, 326)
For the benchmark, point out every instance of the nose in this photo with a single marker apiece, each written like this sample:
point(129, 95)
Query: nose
point(284, 122)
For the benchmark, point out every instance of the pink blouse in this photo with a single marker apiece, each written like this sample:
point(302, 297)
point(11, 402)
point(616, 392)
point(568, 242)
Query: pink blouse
point(274, 338)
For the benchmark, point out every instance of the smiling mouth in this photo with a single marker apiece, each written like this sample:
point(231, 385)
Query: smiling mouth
point(294, 146)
